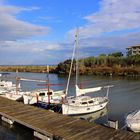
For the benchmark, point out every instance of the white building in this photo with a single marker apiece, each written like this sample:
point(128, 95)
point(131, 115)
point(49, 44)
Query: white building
point(133, 50)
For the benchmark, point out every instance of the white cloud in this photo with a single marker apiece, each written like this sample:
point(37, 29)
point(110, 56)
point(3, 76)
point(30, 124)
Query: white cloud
point(32, 52)
point(14, 29)
point(28, 46)
point(113, 15)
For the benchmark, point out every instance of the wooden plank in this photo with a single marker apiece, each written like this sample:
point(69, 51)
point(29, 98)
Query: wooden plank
point(11, 107)
point(98, 133)
point(6, 104)
point(108, 132)
point(121, 135)
point(29, 114)
point(47, 124)
point(67, 131)
point(33, 117)
point(76, 135)
point(22, 113)
point(51, 122)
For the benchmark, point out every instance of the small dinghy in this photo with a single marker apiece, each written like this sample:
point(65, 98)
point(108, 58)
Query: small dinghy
point(133, 121)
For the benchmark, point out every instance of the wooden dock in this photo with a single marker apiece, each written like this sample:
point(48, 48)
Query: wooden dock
point(58, 127)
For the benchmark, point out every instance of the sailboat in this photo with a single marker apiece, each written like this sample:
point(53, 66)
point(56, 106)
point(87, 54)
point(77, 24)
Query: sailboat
point(133, 121)
point(41, 95)
point(6, 86)
point(80, 103)
point(14, 92)
point(44, 95)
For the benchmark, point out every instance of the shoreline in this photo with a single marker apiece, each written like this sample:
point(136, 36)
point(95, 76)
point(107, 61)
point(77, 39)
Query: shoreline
point(34, 69)
point(99, 70)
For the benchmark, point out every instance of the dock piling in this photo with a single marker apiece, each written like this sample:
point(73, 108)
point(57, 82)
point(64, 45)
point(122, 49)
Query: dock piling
point(7, 120)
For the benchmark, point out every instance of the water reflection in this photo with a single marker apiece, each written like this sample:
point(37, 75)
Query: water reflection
point(93, 116)
point(15, 132)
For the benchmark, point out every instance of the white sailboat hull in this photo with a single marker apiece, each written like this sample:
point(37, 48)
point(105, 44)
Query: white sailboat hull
point(32, 98)
point(2, 91)
point(135, 127)
point(29, 99)
point(133, 121)
point(76, 110)
point(15, 97)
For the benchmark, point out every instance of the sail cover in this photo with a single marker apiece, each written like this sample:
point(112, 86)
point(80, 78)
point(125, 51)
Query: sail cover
point(86, 90)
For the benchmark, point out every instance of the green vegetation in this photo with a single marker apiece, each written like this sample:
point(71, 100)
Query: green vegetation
point(112, 64)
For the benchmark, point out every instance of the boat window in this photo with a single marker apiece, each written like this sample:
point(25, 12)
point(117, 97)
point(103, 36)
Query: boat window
point(42, 94)
point(49, 93)
point(84, 99)
point(83, 103)
point(90, 101)
point(73, 101)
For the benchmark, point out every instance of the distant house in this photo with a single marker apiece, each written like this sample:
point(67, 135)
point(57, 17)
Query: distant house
point(133, 50)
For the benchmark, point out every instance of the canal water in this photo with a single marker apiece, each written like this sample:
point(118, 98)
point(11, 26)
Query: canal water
point(124, 97)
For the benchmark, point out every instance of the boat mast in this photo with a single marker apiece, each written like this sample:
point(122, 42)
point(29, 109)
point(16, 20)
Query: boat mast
point(48, 93)
point(17, 82)
point(48, 77)
point(76, 53)
point(72, 59)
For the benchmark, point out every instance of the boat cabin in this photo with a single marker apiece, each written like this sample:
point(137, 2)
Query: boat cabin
point(83, 101)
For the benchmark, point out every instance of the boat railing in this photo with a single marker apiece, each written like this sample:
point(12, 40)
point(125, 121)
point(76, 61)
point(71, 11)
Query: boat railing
point(70, 97)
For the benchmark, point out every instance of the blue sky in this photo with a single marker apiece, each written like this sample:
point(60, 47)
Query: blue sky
point(42, 32)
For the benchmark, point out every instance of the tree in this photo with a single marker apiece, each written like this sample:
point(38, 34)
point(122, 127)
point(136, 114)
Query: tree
point(102, 55)
point(116, 54)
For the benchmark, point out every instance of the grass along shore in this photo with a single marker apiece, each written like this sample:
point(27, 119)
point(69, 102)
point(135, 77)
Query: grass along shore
point(98, 70)
point(36, 69)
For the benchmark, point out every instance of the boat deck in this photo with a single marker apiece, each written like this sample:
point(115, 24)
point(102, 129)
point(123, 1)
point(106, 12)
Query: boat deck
point(57, 126)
